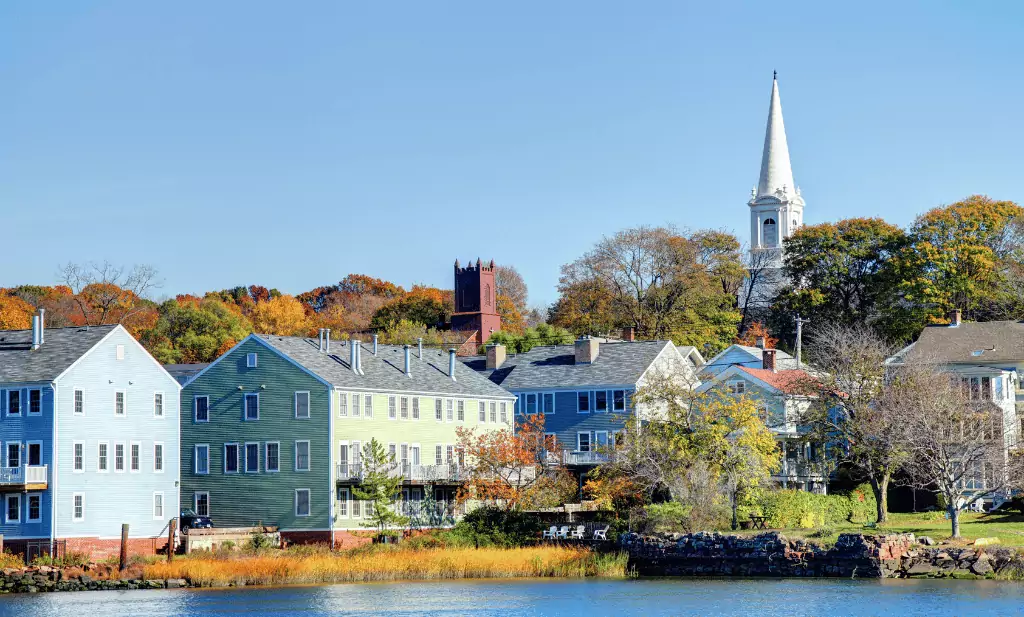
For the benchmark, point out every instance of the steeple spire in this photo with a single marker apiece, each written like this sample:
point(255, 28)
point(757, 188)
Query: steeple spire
point(776, 171)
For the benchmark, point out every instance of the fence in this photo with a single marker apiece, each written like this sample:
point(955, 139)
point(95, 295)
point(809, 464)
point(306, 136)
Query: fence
point(56, 549)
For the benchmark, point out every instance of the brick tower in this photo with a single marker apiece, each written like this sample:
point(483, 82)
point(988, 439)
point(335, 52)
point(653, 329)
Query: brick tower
point(476, 310)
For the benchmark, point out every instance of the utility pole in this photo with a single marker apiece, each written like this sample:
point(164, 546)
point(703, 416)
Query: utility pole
point(799, 336)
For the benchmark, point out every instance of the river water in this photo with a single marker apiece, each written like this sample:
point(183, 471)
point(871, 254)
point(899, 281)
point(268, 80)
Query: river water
point(586, 598)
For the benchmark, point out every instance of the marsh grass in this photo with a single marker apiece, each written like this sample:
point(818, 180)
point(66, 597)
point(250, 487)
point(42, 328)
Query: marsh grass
point(388, 564)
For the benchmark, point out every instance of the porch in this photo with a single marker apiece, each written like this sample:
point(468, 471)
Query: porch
point(24, 478)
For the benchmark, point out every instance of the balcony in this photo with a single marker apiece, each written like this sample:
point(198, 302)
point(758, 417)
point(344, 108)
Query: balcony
point(586, 458)
point(27, 477)
point(354, 472)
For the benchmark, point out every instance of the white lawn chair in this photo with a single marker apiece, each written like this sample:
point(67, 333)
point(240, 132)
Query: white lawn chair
point(562, 533)
point(577, 534)
point(550, 533)
point(601, 534)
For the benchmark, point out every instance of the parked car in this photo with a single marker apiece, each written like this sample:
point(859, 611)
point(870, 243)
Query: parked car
point(191, 520)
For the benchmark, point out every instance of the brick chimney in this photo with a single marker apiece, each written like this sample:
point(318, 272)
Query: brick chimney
point(954, 318)
point(628, 334)
point(587, 349)
point(495, 356)
point(760, 343)
point(768, 359)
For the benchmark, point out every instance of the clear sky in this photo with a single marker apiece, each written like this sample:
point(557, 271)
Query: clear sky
point(291, 143)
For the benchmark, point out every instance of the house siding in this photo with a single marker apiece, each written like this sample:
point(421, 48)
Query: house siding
point(22, 428)
point(246, 499)
point(566, 422)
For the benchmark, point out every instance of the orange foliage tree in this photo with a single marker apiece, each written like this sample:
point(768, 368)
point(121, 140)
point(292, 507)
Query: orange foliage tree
point(282, 315)
point(15, 313)
point(753, 332)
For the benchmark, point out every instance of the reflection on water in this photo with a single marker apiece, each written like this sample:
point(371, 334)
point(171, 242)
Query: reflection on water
point(590, 598)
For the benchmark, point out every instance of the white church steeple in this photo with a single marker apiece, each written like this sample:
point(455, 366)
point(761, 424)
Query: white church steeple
point(776, 207)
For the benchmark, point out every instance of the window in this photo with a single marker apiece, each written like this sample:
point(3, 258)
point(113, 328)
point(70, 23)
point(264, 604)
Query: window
point(393, 451)
point(14, 454)
point(449, 406)
point(601, 439)
point(548, 401)
point(252, 407)
point(355, 405)
point(35, 453)
point(415, 408)
point(504, 413)
point(202, 504)
point(405, 407)
point(302, 502)
point(618, 400)
point(79, 402)
point(343, 501)
point(769, 236)
point(78, 456)
point(583, 442)
point(583, 402)
point(449, 452)
point(119, 403)
point(35, 508)
point(392, 408)
point(158, 457)
point(494, 411)
point(120, 352)
point(438, 410)
point(342, 405)
point(356, 508)
point(13, 508)
point(252, 458)
point(531, 404)
point(118, 457)
point(78, 507)
point(439, 454)
point(997, 384)
point(737, 387)
point(158, 404)
point(368, 405)
point(273, 456)
point(250, 360)
point(415, 451)
point(461, 411)
point(601, 402)
point(101, 456)
point(202, 459)
point(35, 402)
point(231, 458)
point(201, 405)
point(158, 506)
point(301, 456)
point(14, 402)
point(405, 455)
point(136, 456)
point(302, 405)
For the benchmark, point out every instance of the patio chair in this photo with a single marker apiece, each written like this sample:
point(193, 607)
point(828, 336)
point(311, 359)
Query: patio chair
point(549, 534)
point(601, 534)
point(562, 533)
point(577, 534)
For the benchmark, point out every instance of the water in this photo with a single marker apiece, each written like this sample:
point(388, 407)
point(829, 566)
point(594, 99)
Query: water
point(589, 598)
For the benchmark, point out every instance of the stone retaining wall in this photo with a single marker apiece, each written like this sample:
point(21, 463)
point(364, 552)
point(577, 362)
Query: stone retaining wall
point(45, 578)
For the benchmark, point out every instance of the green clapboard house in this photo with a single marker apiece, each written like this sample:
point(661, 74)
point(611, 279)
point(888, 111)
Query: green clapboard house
point(272, 432)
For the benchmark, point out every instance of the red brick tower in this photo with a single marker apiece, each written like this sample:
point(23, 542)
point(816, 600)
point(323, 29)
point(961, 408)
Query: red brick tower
point(476, 307)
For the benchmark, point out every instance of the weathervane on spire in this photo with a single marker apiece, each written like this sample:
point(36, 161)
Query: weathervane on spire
point(775, 74)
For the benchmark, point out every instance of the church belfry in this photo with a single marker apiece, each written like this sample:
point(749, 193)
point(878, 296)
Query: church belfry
point(776, 207)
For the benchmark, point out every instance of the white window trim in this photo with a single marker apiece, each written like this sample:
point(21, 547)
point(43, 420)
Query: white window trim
point(309, 502)
point(73, 392)
point(73, 468)
point(163, 457)
point(438, 407)
point(195, 409)
point(392, 407)
point(28, 449)
point(108, 457)
point(368, 409)
point(416, 408)
point(238, 457)
point(579, 444)
point(7, 403)
point(481, 412)
point(460, 410)
point(125, 456)
point(125, 399)
point(163, 404)
point(266, 457)
point(252, 360)
point(7, 502)
point(163, 506)
point(309, 403)
point(245, 407)
point(28, 410)
point(607, 401)
point(128, 454)
point(119, 352)
point(343, 404)
point(625, 398)
point(309, 455)
point(344, 503)
point(590, 403)
point(81, 518)
point(597, 439)
point(195, 459)
point(245, 466)
point(449, 410)
point(28, 508)
point(195, 502)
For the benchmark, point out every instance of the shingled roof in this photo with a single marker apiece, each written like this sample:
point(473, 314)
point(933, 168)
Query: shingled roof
point(62, 347)
point(971, 342)
point(792, 381)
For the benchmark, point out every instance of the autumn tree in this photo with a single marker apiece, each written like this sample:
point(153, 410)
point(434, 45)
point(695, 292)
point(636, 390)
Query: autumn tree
point(754, 332)
point(282, 315)
point(188, 331)
point(380, 487)
point(584, 307)
point(108, 294)
point(426, 305)
point(59, 302)
point(15, 313)
point(509, 283)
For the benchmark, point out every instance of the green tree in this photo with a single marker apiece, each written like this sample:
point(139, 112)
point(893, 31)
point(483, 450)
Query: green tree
point(380, 487)
point(194, 331)
point(421, 305)
point(542, 334)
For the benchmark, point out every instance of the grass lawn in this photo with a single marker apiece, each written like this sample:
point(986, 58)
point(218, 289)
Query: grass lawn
point(1008, 527)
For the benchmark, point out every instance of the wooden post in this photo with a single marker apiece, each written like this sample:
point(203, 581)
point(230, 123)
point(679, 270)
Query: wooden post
point(124, 546)
point(1, 542)
point(170, 539)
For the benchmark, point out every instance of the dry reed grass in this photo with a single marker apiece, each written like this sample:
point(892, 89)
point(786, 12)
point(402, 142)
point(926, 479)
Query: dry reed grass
point(386, 564)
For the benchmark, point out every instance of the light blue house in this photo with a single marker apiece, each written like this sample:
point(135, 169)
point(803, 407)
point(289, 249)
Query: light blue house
point(89, 426)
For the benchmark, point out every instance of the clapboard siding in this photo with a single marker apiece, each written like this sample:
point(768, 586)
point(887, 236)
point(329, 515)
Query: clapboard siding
point(113, 498)
point(245, 499)
point(566, 422)
point(23, 428)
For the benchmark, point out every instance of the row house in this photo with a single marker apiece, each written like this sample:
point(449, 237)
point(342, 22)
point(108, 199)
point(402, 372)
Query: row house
point(89, 430)
point(278, 424)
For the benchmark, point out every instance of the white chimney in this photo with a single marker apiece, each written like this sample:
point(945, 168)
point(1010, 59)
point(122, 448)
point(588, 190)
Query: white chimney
point(408, 361)
point(375, 344)
point(420, 353)
point(451, 363)
point(359, 357)
point(352, 357)
point(320, 345)
point(327, 340)
point(35, 332)
point(42, 326)
point(587, 350)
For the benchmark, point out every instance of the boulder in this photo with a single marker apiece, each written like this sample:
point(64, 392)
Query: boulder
point(920, 568)
point(926, 540)
point(986, 541)
point(982, 566)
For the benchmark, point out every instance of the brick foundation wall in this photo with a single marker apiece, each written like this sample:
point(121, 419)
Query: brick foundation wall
point(344, 539)
point(99, 549)
point(306, 537)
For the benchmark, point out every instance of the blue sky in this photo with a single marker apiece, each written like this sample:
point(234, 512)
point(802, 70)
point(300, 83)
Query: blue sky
point(289, 144)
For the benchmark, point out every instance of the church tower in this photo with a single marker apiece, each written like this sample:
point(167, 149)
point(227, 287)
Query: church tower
point(776, 207)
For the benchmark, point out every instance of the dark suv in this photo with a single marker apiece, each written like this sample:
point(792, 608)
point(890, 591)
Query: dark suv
point(191, 520)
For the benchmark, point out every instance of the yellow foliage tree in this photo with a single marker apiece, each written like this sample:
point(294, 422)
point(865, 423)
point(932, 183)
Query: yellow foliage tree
point(15, 313)
point(283, 315)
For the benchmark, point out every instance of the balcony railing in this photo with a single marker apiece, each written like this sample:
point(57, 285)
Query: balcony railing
point(26, 474)
point(407, 471)
point(586, 458)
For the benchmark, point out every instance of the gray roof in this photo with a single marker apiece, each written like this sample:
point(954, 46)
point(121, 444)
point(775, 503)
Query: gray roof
point(783, 360)
point(181, 371)
point(997, 341)
point(386, 370)
point(62, 347)
point(554, 366)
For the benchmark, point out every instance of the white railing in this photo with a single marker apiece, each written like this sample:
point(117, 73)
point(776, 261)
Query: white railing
point(26, 474)
point(408, 472)
point(585, 458)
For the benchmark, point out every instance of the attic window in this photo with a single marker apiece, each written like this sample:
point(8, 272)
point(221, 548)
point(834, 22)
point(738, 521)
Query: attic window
point(250, 360)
